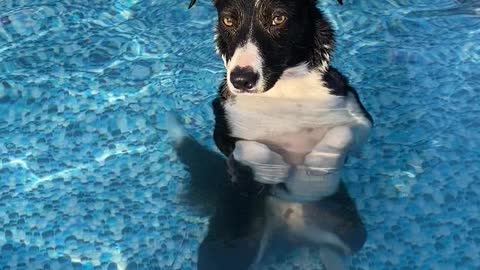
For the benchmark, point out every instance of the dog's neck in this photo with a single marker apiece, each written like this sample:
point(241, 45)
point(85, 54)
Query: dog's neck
point(300, 83)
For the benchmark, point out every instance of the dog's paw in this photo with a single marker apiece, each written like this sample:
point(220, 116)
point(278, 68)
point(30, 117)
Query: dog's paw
point(329, 154)
point(268, 167)
point(305, 185)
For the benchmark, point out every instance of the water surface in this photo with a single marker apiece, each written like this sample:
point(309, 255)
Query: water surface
point(89, 179)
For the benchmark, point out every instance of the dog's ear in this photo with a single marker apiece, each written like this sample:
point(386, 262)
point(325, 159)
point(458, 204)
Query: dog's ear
point(339, 1)
point(192, 2)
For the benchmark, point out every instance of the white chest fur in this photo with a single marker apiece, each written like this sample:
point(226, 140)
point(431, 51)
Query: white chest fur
point(263, 117)
point(257, 117)
point(295, 115)
point(298, 101)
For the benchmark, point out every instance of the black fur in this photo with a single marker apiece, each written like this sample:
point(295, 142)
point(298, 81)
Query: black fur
point(192, 3)
point(339, 86)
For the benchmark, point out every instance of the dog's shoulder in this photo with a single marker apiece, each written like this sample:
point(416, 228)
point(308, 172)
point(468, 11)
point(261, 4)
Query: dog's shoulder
point(339, 85)
point(336, 82)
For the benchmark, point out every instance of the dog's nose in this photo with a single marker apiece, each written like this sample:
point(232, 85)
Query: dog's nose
point(243, 78)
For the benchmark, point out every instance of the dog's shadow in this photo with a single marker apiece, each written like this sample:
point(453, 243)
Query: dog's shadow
point(241, 228)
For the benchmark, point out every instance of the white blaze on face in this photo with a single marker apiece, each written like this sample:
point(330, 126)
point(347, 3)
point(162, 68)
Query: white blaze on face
point(224, 58)
point(246, 56)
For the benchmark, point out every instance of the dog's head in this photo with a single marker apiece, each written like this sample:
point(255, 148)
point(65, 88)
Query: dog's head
point(261, 40)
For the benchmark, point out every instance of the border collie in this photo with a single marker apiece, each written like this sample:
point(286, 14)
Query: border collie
point(277, 58)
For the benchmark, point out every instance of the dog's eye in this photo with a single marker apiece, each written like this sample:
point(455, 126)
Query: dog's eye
point(279, 20)
point(228, 21)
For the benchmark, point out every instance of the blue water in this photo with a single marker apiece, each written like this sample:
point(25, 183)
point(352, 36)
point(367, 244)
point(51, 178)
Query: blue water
point(88, 175)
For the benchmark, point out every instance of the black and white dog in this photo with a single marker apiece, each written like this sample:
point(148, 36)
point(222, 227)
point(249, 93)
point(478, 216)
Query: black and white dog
point(285, 119)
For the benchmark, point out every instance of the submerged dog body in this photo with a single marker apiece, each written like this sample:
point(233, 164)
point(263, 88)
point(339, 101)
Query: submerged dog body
point(249, 222)
point(286, 120)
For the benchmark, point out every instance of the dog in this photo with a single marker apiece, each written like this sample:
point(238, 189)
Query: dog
point(285, 120)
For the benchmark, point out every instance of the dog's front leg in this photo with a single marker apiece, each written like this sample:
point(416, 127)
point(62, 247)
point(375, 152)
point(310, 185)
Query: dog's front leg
point(319, 176)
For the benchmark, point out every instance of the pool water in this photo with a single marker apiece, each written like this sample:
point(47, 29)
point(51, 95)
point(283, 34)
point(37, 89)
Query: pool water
point(88, 175)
